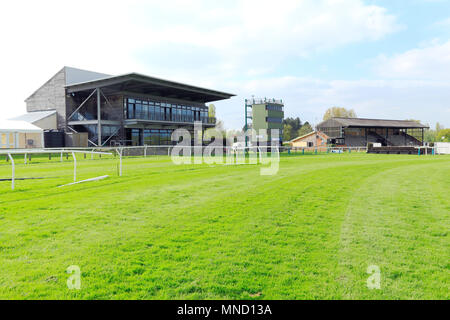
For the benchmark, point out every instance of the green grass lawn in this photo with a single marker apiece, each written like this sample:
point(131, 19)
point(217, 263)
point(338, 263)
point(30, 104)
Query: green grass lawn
point(225, 232)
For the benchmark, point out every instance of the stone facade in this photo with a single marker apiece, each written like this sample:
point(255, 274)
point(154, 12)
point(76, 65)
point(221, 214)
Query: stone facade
point(51, 96)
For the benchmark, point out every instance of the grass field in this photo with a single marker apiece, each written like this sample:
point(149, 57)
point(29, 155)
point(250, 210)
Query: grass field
point(225, 232)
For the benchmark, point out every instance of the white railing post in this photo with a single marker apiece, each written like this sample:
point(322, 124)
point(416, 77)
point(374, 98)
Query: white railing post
point(74, 167)
point(13, 175)
point(119, 151)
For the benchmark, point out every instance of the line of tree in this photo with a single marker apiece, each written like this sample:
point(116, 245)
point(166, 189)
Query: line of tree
point(293, 128)
point(439, 134)
point(338, 112)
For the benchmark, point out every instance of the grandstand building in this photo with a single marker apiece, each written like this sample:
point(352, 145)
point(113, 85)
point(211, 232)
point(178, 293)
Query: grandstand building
point(130, 109)
point(356, 132)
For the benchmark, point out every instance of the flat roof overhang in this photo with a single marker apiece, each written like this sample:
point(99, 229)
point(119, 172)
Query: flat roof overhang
point(141, 84)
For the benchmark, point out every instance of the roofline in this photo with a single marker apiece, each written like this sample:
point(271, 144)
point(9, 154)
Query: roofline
point(308, 134)
point(148, 79)
point(370, 119)
point(343, 118)
point(46, 82)
point(53, 112)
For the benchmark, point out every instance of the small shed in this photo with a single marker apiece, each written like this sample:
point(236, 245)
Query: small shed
point(312, 139)
point(20, 135)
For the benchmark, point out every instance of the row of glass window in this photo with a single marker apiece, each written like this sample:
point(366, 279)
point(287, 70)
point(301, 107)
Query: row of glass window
point(274, 107)
point(274, 120)
point(160, 111)
point(154, 137)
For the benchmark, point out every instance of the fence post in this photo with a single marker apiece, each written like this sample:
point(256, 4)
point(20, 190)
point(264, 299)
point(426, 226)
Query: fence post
point(74, 167)
point(13, 175)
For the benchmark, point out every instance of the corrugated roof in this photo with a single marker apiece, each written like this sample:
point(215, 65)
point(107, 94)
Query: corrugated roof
point(32, 117)
point(18, 126)
point(381, 123)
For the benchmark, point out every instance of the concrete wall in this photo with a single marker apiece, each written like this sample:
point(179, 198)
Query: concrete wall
point(24, 138)
point(260, 114)
point(51, 96)
point(442, 147)
point(49, 123)
point(76, 140)
point(11, 140)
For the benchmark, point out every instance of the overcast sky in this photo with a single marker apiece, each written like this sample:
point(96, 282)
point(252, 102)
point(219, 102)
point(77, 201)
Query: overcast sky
point(385, 59)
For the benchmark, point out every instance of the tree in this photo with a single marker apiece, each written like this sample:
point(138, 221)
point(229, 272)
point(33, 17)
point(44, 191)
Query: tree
point(212, 111)
point(430, 136)
point(288, 132)
point(295, 123)
point(290, 128)
point(443, 135)
point(305, 129)
point(339, 112)
point(219, 128)
point(435, 135)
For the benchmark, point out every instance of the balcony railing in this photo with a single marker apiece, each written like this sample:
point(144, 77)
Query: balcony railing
point(264, 101)
point(204, 120)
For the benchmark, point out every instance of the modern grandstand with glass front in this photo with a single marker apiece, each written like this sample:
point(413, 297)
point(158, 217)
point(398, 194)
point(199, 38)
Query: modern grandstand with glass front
point(126, 110)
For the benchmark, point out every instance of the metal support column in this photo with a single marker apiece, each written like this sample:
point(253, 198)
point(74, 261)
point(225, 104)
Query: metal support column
point(423, 136)
point(99, 118)
point(246, 124)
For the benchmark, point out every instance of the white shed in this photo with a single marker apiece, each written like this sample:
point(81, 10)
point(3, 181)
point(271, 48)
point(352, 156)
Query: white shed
point(20, 135)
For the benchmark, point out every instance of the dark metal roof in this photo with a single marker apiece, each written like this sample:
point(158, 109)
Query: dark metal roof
point(138, 83)
point(370, 123)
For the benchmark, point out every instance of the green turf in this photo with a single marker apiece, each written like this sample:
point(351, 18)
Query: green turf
point(217, 232)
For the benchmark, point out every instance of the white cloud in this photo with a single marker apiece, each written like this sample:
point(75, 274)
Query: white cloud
point(254, 36)
point(431, 62)
point(201, 42)
point(443, 23)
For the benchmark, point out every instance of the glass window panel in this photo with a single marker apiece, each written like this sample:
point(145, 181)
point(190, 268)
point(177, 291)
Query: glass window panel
point(130, 111)
point(135, 137)
point(138, 111)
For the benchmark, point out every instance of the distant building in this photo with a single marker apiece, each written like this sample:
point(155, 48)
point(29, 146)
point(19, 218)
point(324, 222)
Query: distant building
point(357, 132)
point(20, 135)
point(310, 140)
point(130, 109)
point(267, 114)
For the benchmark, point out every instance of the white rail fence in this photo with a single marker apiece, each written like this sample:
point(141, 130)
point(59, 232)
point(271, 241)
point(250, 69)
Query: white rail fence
point(27, 152)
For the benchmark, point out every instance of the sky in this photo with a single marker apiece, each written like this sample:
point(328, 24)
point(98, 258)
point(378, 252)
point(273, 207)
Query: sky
point(384, 59)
